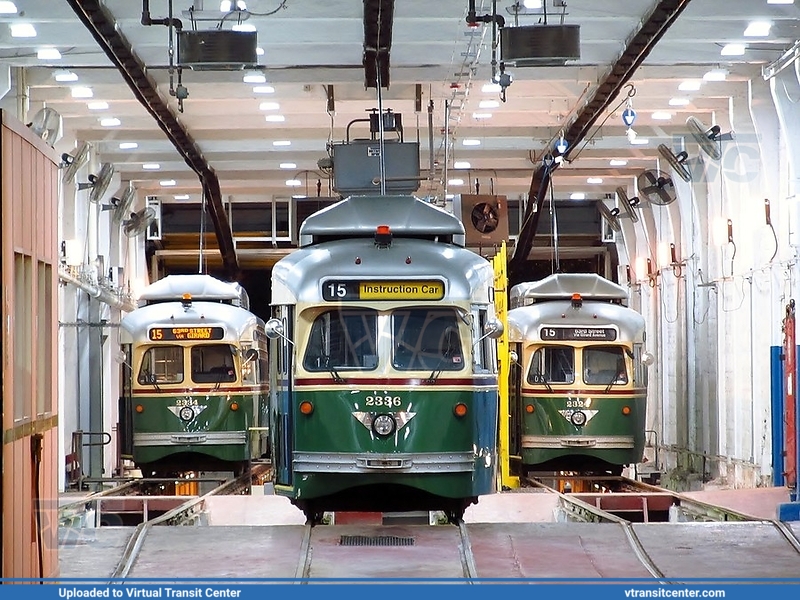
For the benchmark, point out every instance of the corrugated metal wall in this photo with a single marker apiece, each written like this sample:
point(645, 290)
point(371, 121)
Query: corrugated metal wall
point(29, 204)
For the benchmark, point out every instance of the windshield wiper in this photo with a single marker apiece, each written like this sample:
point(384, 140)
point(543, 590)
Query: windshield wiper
point(332, 370)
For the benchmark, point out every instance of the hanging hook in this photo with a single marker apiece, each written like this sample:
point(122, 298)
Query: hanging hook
point(631, 90)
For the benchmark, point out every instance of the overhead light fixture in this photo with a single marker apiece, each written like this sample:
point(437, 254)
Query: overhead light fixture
point(274, 118)
point(22, 30)
point(294, 182)
point(678, 101)
point(82, 92)
point(181, 197)
point(488, 104)
point(640, 141)
point(780, 1)
point(225, 6)
point(594, 180)
point(100, 105)
point(661, 115)
point(577, 196)
point(288, 166)
point(259, 51)
point(461, 164)
point(617, 162)
point(733, 49)
point(64, 75)
point(128, 145)
point(48, 54)
point(254, 77)
point(244, 27)
point(263, 89)
point(167, 183)
point(470, 142)
point(690, 85)
point(455, 182)
point(481, 116)
point(716, 75)
point(151, 166)
point(489, 88)
point(281, 143)
point(110, 122)
point(8, 8)
point(758, 29)
point(532, 4)
point(269, 106)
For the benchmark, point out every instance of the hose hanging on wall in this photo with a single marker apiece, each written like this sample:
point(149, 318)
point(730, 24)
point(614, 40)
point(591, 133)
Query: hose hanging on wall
point(36, 463)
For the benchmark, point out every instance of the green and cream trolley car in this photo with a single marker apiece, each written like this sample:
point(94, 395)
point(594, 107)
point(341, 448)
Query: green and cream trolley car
point(383, 363)
point(194, 378)
point(579, 384)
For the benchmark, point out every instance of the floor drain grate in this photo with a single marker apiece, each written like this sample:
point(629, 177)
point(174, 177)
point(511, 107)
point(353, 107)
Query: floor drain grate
point(379, 540)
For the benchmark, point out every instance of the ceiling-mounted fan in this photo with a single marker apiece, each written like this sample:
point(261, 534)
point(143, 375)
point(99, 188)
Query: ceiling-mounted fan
point(139, 221)
point(98, 183)
point(627, 204)
point(609, 215)
point(73, 162)
point(656, 187)
point(484, 217)
point(676, 161)
point(48, 125)
point(708, 138)
point(121, 204)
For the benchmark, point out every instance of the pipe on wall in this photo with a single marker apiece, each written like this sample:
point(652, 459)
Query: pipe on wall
point(99, 292)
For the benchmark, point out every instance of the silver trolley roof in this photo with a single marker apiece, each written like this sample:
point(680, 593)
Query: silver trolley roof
point(200, 287)
point(563, 285)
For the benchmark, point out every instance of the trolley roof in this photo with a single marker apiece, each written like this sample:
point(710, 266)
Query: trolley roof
point(299, 277)
point(238, 324)
point(563, 285)
point(201, 287)
point(359, 216)
point(525, 322)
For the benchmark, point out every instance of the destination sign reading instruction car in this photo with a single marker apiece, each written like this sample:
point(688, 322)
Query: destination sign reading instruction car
point(338, 290)
point(601, 334)
point(158, 334)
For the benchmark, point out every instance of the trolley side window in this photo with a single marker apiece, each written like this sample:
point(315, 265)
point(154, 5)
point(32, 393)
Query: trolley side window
point(552, 364)
point(604, 365)
point(426, 339)
point(639, 368)
point(161, 364)
point(483, 353)
point(343, 339)
point(213, 363)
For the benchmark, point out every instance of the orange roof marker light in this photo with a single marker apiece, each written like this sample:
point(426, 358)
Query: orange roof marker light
point(383, 236)
point(577, 301)
point(186, 300)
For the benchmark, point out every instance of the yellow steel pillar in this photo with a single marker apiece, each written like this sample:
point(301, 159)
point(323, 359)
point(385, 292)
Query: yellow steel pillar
point(501, 306)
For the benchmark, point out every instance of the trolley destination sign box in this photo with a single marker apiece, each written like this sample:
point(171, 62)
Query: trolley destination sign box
point(602, 334)
point(343, 290)
point(159, 334)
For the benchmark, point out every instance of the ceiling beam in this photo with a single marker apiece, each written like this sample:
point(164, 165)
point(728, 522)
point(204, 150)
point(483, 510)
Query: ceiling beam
point(102, 26)
point(641, 44)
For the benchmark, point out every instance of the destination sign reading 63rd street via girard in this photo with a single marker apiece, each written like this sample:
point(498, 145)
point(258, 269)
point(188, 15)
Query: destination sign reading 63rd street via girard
point(343, 290)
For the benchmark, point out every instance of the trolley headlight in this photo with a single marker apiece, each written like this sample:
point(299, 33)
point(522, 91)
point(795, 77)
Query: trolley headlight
point(186, 414)
point(578, 418)
point(384, 425)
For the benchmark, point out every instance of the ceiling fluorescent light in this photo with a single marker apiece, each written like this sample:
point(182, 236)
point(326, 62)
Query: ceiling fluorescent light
point(22, 30)
point(110, 122)
point(690, 85)
point(181, 197)
point(481, 116)
point(168, 183)
point(294, 182)
point(532, 4)
point(733, 50)
point(244, 27)
point(274, 118)
point(491, 88)
point(594, 180)
point(259, 51)
point(151, 166)
point(263, 89)
point(577, 196)
point(48, 54)
point(281, 143)
point(758, 29)
point(8, 8)
point(455, 182)
point(82, 92)
point(780, 1)
point(716, 75)
point(269, 106)
point(661, 115)
point(128, 145)
point(639, 141)
point(461, 164)
point(225, 6)
point(617, 162)
point(288, 166)
point(64, 75)
point(470, 142)
point(101, 105)
point(254, 77)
